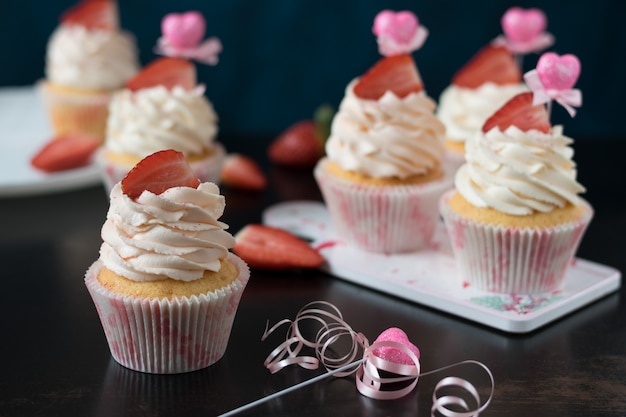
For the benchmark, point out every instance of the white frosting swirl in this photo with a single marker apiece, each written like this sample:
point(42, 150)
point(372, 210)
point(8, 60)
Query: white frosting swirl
point(91, 59)
point(388, 137)
point(172, 235)
point(518, 172)
point(464, 110)
point(148, 120)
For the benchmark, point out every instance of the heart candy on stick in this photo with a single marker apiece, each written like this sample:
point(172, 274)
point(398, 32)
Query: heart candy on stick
point(398, 33)
point(391, 354)
point(182, 38)
point(525, 30)
point(554, 79)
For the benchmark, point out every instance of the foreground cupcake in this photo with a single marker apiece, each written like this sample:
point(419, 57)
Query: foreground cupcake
point(162, 107)
point(383, 172)
point(166, 286)
point(88, 58)
point(515, 219)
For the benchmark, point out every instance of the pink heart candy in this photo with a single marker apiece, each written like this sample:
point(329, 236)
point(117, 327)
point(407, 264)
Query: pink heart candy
point(521, 25)
point(392, 354)
point(183, 30)
point(558, 72)
point(400, 26)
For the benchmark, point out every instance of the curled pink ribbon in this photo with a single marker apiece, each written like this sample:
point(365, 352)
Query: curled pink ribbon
point(332, 330)
point(553, 79)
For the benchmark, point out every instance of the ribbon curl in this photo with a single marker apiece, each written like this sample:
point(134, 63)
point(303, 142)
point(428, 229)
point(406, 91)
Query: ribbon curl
point(367, 366)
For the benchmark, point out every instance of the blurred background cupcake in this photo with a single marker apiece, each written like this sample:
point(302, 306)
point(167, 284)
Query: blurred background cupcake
point(88, 58)
point(515, 219)
point(166, 286)
point(384, 172)
point(164, 107)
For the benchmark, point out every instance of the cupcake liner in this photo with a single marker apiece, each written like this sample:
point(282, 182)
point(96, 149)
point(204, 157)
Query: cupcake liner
point(384, 219)
point(80, 112)
point(208, 169)
point(168, 336)
point(513, 260)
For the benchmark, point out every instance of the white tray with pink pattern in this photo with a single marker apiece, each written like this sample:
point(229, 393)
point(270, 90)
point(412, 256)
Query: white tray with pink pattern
point(430, 277)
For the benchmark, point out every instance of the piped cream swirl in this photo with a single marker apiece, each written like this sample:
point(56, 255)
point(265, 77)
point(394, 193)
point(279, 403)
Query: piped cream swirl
point(172, 235)
point(388, 137)
point(464, 110)
point(91, 59)
point(518, 172)
point(148, 120)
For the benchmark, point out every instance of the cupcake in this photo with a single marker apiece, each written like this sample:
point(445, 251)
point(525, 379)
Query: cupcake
point(163, 107)
point(88, 58)
point(478, 89)
point(515, 219)
point(166, 286)
point(383, 172)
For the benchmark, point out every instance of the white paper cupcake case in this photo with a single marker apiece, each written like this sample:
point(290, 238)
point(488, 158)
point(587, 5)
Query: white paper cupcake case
point(208, 169)
point(384, 219)
point(513, 260)
point(168, 336)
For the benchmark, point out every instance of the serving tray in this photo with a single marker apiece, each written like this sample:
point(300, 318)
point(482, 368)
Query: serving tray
point(430, 277)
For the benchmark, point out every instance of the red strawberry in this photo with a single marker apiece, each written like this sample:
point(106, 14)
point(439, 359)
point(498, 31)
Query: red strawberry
point(301, 145)
point(520, 112)
point(266, 247)
point(240, 171)
point(65, 152)
point(158, 172)
point(395, 73)
point(92, 14)
point(168, 72)
point(492, 63)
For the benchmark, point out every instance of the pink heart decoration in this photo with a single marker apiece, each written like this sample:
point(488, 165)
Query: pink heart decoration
point(400, 26)
point(521, 25)
point(183, 30)
point(391, 354)
point(558, 72)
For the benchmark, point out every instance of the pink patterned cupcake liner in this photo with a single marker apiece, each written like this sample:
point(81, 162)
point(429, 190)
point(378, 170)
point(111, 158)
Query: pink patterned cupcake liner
point(513, 260)
point(168, 336)
point(208, 169)
point(384, 219)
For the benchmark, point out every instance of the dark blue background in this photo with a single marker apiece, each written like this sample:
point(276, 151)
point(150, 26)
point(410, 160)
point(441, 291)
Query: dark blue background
point(283, 58)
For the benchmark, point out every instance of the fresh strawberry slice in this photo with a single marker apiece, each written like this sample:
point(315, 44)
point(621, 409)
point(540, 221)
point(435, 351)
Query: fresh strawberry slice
point(395, 73)
point(168, 72)
point(520, 112)
point(266, 247)
point(65, 152)
point(492, 63)
point(241, 171)
point(301, 145)
point(158, 172)
point(93, 14)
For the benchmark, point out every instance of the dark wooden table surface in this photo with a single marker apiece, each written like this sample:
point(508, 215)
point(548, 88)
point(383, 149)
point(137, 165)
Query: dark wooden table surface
point(55, 360)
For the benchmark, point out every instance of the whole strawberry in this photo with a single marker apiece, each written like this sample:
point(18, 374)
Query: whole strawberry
point(301, 145)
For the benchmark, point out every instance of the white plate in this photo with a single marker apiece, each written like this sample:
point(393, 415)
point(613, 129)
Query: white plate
point(430, 277)
point(24, 129)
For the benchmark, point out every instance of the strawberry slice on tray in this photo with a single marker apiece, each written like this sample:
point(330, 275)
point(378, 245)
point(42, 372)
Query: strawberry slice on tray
point(158, 172)
point(93, 15)
point(397, 74)
point(166, 71)
point(492, 63)
point(65, 152)
point(266, 247)
point(520, 112)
